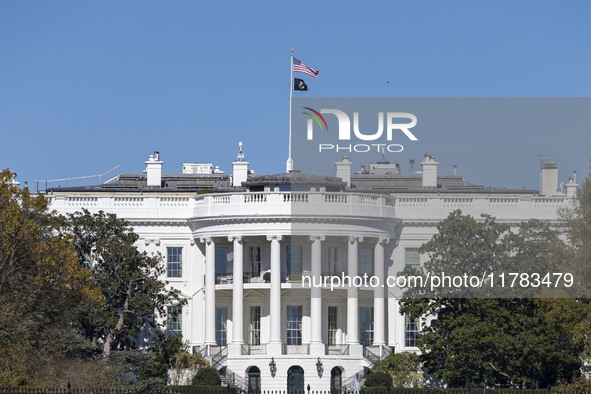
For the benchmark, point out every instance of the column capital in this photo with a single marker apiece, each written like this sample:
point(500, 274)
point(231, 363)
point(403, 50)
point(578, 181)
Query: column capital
point(274, 237)
point(321, 238)
point(238, 238)
point(207, 240)
point(354, 239)
point(383, 240)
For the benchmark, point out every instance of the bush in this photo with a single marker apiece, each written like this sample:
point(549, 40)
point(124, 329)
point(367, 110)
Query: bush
point(404, 369)
point(207, 376)
point(267, 277)
point(378, 379)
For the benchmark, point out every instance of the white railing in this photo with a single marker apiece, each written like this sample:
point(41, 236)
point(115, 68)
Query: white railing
point(255, 197)
point(75, 201)
point(248, 204)
point(457, 202)
point(128, 201)
point(412, 201)
point(335, 198)
point(222, 199)
point(504, 201)
point(175, 201)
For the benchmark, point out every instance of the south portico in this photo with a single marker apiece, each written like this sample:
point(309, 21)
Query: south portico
point(288, 259)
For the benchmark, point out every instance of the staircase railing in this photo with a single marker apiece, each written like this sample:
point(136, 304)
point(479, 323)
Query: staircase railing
point(218, 358)
point(349, 383)
point(369, 353)
point(230, 377)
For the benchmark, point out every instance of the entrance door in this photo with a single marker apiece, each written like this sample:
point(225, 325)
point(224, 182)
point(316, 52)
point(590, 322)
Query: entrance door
point(254, 380)
point(295, 380)
point(336, 380)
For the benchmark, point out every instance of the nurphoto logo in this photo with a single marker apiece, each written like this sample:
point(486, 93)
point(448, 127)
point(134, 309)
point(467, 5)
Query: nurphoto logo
point(344, 130)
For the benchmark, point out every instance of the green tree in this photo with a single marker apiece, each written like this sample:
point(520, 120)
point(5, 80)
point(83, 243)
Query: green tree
point(491, 341)
point(573, 315)
point(42, 287)
point(129, 280)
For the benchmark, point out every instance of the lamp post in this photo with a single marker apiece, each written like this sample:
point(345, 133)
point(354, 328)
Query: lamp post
point(319, 367)
point(272, 366)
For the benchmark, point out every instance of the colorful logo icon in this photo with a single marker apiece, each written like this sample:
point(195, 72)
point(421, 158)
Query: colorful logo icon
point(316, 118)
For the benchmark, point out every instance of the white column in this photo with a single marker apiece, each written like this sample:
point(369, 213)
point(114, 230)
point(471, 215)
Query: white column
point(209, 317)
point(235, 347)
point(274, 347)
point(317, 348)
point(355, 348)
point(379, 311)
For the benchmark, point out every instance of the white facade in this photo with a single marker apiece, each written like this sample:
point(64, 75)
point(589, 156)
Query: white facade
point(218, 248)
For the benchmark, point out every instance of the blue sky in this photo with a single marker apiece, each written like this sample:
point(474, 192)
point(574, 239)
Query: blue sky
point(85, 86)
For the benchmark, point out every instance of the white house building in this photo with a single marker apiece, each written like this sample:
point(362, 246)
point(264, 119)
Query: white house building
point(238, 245)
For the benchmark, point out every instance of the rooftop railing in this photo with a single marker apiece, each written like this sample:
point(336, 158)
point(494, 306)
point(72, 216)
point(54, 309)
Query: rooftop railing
point(319, 203)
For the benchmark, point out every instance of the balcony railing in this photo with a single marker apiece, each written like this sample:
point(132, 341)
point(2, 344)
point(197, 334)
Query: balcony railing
point(338, 350)
point(247, 277)
point(296, 349)
point(134, 205)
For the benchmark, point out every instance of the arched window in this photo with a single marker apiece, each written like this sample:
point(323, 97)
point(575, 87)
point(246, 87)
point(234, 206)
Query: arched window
point(336, 381)
point(295, 380)
point(254, 380)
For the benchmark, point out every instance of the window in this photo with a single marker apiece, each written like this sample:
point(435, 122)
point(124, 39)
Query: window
point(255, 260)
point(294, 261)
point(411, 331)
point(174, 260)
point(255, 325)
point(332, 325)
point(294, 325)
point(366, 261)
point(221, 318)
point(174, 320)
point(332, 260)
point(412, 258)
point(221, 261)
point(366, 325)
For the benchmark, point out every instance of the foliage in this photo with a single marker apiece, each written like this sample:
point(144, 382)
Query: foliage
point(404, 369)
point(579, 385)
point(173, 389)
point(165, 348)
point(185, 360)
point(54, 311)
point(507, 342)
point(378, 379)
point(42, 286)
point(129, 280)
point(207, 376)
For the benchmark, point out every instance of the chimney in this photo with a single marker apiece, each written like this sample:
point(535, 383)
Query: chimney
point(571, 186)
point(239, 168)
point(549, 178)
point(154, 170)
point(344, 170)
point(429, 166)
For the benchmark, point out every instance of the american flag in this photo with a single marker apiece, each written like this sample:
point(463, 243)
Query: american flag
point(300, 67)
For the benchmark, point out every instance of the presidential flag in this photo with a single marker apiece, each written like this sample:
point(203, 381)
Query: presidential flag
point(300, 67)
point(299, 84)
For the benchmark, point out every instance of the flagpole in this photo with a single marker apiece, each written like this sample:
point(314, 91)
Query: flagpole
point(289, 159)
